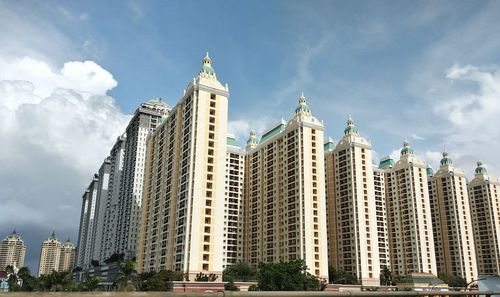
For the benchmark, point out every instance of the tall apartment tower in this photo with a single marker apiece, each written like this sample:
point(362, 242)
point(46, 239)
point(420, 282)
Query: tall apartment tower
point(353, 241)
point(12, 251)
point(381, 216)
point(110, 224)
point(485, 207)
point(184, 194)
point(284, 195)
point(451, 221)
point(50, 255)
point(87, 223)
point(233, 204)
point(145, 120)
point(67, 257)
point(409, 216)
point(97, 236)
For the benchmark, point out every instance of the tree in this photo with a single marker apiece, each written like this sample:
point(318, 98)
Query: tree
point(341, 277)
point(386, 277)
point(29, 282)
point(158, 281)
point(90, 283)
point(55, 282)
point(239, 271)
point(94, 263)
point(116, 257)
point(127, 279)
point(453, 280)
point(202, 277)
point(287, 276)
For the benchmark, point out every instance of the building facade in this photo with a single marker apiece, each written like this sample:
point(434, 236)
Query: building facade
point(67, 257)
point(50, 255)
point(233, 204)
point(87, 223)
point(451, 221)
point(184, 195)
point(12, 251)
point(145, 120)
point(409, 216)
point(485, 207)
point(284, 194)
point(352, 221)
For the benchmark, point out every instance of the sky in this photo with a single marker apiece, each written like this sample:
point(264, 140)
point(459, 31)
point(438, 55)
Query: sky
point(72, 73)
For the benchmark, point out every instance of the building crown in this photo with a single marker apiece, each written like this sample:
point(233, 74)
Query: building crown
point(207, 70)
point(351, 129)
point(302, 108)
point(252, 140)
point(429, 170)
point(480, 169)
point(407, 150)
point(446, 160)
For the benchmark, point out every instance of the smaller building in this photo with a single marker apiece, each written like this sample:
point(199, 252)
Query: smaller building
point(12, 250)
point(421, 282)
point(55, 256)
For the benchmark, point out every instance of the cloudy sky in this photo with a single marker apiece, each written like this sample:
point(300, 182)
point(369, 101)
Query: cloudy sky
point(71, 73)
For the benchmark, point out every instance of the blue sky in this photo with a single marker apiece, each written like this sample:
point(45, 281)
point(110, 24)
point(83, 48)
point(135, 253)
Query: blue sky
point(423, 70)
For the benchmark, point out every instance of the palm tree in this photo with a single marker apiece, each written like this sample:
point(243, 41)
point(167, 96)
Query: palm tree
point(127, 279)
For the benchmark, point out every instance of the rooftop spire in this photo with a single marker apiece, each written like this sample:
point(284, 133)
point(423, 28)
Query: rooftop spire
point(302, 108)
point(407, 150)
point(480, 169)
point(206, 68)
point(351, 128)
point(446, 160)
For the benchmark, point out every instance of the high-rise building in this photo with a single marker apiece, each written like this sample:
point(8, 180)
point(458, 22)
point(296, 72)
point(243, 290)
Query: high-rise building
point(87, 223)
point(409, 216)
point(284, 194)
point(352, 208)
point(145, 120)
point(50, 255)
point(12, 250)
point(233, 204)
point(110, 226)
point(381, 216)
point(182, 225)
point(451, 221)
point(110, 214)
point(485, 209)
point(67, 258)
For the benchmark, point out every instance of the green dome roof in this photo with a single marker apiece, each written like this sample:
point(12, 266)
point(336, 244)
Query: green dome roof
point(406, 150)
point(429, 170)
point(302, 105)
point(480, 169)
point(446, 160)
point(386, 163)
point(253, 138)
point(206, 66)
point(351, 128)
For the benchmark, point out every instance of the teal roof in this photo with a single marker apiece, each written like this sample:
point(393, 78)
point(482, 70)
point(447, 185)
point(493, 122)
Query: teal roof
point(429, 171)
point(480, 169)
point(253, 138)
point(275, 131)
point(232, 142)
point(351, 128)
point(13, 234)
point(406, 150)
point(207, 66)
point(329, 146)
point(53, 235)
point(446, 160)
point(386, 163)
point(302, 105)
point(156, 101)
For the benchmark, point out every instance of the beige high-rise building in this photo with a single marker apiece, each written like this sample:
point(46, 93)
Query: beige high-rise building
point(67, 258)
point(485, 211)
point(352, 209)
point(233, 204)
point(409, 216)
point(182, 226)
point(12, 250)
point(50, 255)
point(451, 221)
point(284, 195)
point(381, 217)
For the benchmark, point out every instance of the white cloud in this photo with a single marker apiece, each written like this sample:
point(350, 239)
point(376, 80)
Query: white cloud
point(242, 126)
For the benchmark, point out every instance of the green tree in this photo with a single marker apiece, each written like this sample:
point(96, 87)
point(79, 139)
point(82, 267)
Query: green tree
point(239, 271)
point(202, 277)
point(453, 280)
point(287, 276)
point(29, 282)
point(341, 277)
point(127, 279)
point(90, 284)
point(386, 277)
point(55, 282)
point(116, 257)
point(158, 281)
